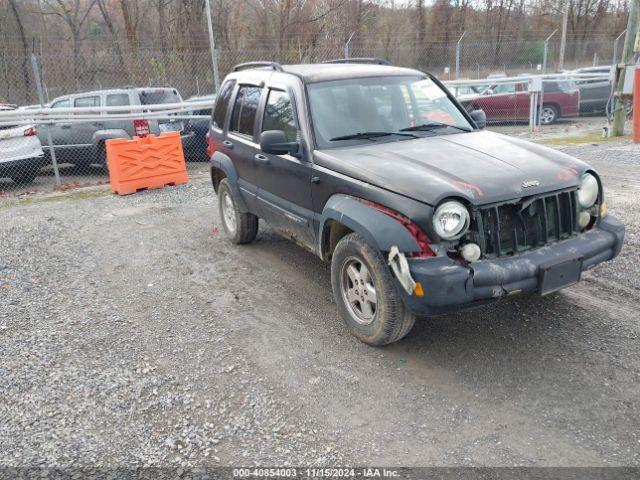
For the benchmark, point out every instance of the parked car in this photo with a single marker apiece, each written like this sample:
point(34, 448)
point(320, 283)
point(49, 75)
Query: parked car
point(417, 216)
point(196, 147)
point(510, 102)
point(21, 155)
point(83, 143)
point(594, 92)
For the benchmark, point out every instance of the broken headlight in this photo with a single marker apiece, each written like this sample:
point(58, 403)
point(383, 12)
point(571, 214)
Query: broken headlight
point(451, 220)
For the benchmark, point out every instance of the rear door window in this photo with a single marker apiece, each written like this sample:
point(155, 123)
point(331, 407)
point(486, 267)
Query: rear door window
point(222, 103)
point(244, 110)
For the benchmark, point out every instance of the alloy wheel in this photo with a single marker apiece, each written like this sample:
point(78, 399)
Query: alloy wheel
point(547, 116)
point(358, 291)
point(228, 213)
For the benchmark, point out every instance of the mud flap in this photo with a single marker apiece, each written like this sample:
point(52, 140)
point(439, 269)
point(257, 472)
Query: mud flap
point(400, 267)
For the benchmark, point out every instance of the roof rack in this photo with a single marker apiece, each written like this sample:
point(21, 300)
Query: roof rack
point(376, 61)
point(244, 66)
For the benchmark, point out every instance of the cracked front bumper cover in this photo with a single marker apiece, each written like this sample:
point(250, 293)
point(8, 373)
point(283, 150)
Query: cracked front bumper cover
point(448, 285)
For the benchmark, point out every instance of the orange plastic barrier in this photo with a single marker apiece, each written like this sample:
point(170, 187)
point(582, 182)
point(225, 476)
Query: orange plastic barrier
point(148, 162)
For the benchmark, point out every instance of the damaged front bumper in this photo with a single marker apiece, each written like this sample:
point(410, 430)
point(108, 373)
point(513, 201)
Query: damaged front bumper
point(448, 285)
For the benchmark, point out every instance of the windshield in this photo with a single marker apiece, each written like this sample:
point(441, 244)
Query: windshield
point(361, 110)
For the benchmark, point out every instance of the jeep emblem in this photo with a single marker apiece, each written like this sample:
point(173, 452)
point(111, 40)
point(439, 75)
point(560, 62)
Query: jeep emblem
point(530, 183)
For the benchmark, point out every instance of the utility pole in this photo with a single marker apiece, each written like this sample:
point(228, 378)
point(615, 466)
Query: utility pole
point(212, 46)
point(563, 38)
point(619, 110)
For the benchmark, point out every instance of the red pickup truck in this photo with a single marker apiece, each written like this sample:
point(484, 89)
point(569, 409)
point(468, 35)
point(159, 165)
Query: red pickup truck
point(509, 102)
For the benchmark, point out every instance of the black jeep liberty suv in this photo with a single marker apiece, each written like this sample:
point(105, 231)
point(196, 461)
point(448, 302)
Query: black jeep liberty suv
point(381, 171)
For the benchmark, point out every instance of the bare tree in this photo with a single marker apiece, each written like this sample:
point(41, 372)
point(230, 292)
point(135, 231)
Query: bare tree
point(74, 15)
point(25, 48)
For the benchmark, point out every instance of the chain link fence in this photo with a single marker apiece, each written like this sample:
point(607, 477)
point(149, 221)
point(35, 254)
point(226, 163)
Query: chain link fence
point(110, 78)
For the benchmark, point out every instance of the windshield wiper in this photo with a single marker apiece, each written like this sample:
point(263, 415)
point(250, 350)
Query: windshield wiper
point(425, 127)
point(369, 135)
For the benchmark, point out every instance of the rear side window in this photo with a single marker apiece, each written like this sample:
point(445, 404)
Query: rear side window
point(505, 88)
point(117, 100)
point(154, 96)
point(244, 110)
point(222, 102)
point(87, 102)
point(278, 115)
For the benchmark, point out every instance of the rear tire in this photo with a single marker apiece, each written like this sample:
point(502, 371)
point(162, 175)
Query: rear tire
point(367, 297)
point(25, 178)
point(102, 157)
point(240, 227)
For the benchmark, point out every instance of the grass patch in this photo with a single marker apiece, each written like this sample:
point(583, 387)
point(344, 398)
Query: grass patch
point(81, 194)
point(579, 140)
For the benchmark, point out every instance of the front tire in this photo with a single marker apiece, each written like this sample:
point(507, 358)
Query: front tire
point(367, 297)
point(549, 114)
point(240, 227)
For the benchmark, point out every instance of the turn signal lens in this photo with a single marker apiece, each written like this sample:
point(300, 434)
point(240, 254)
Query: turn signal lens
point(603, 209)
point(417, 290)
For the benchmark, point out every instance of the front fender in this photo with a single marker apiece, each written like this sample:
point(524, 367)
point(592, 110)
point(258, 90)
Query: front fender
point(221, 161)
point(379, 229)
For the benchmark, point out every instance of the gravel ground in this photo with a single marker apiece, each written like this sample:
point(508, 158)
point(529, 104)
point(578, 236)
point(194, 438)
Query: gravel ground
point(132, 333)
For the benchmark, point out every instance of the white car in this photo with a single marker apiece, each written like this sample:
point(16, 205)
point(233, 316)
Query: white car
point(21, 155)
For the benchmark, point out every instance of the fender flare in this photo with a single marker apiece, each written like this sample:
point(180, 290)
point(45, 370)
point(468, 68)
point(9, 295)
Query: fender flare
point(222, 162)
point(108, 134)
point(379, 229)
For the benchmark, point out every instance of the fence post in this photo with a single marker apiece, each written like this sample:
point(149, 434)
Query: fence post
point(544, 71)
point(458, 47)
point(615, 47)
point(52, 150)
point(212, 46)
point(546, 51)
point(346, 46)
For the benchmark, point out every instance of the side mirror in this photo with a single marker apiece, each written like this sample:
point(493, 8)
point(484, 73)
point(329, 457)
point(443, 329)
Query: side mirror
point(275, 142)
point(488, 91)
point(479, 117)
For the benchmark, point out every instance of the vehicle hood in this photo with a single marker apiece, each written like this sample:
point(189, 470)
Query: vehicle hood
point(481, 167)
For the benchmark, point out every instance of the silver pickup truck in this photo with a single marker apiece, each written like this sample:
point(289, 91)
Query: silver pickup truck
point(83, 143)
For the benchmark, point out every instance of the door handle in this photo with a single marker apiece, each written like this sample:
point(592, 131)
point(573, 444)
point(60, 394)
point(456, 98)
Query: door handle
point(98, 124)
point(65, 125)
point(228, 144)
point(261, 158)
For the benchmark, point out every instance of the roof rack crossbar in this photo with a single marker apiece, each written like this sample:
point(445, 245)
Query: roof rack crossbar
point(376, 61)
point(247, 65)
